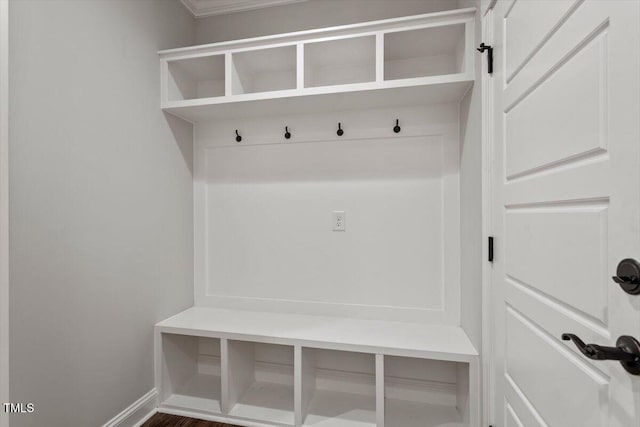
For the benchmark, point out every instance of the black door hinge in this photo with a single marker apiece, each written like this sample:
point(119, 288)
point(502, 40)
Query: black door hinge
point(481, 49)
point(490, 252)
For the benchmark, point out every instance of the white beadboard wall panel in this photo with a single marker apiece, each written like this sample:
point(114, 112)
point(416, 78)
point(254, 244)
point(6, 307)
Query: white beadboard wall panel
point(268, 243)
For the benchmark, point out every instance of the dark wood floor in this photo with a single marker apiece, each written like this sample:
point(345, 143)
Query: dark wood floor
point(166, 420)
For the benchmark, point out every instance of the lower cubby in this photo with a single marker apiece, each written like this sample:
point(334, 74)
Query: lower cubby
point(425, 393)
point(188, 381)
point(338, 388)
point(378, 375)
point(260, 382)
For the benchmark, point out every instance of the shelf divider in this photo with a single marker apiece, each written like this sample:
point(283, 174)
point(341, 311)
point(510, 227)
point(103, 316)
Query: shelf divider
point(228, 73)
point(380, 390)
point(300, 66)
point(240, 370)
point(379, 57)
point(469, 48)
point(297, 386)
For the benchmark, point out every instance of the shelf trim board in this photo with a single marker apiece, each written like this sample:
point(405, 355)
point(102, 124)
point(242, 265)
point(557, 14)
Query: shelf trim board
point(387, 25)
point(442, 90)
point(199, 321)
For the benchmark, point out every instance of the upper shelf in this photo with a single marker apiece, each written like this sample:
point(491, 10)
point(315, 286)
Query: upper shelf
point(421, 59)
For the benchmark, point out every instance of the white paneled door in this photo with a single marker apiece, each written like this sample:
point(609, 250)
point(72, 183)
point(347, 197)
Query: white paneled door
point(566, 88)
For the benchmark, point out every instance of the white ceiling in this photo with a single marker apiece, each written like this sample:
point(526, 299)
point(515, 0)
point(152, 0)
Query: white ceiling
point(202, 8)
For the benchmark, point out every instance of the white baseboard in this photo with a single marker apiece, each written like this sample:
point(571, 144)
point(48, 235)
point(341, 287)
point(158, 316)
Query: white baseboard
point(146, 417)
point(137, 413)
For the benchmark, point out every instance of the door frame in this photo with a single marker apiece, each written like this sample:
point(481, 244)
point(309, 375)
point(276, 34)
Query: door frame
point(4, 208)
point(487, 352)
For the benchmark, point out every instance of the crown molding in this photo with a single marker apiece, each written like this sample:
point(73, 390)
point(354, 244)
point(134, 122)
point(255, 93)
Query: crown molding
point(204, 8)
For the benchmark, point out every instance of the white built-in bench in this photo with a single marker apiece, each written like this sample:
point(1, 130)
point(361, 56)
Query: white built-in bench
point(321, 371)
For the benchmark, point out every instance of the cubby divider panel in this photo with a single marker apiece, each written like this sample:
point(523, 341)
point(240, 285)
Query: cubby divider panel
point(338, 388)
point(424, 52)
point(187, 383)
point(337, 62)
point(194, 78)
point(259, 382)
point(425, 393)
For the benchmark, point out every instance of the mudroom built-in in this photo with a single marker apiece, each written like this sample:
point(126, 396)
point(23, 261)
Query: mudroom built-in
point(328, 227)
point(319, 213)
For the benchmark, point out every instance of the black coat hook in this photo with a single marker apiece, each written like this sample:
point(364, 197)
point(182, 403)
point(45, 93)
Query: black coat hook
point(238, 137)
point(489, 50)
point(396, 128)
point(287, 134)
point(340, 131)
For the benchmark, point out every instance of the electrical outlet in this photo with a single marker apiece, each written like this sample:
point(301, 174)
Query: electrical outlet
point(338, 220)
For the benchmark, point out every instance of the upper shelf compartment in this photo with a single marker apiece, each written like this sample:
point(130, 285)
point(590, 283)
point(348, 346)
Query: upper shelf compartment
point(424, 52)
point(263, 70)
point(342, 61)
point(195, 78)
point(422, 59)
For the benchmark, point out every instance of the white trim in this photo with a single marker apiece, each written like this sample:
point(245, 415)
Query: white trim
point(204, 8)
point(4, 207)
point(146, 418)
point(136, 413)
point(489, 7)
point(487, 352)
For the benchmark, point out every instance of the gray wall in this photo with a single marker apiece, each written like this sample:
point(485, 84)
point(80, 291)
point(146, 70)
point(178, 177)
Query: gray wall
point(101, 231)
point(309, 14)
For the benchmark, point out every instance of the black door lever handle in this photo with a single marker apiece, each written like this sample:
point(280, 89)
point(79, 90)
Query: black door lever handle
point(626, 351)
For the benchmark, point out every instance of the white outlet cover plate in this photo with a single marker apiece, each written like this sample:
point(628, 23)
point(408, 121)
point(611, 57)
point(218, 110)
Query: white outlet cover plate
point(338, 219)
